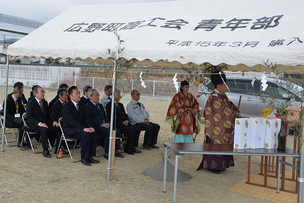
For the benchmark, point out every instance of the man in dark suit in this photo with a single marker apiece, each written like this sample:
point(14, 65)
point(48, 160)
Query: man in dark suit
point(61, 86)
point(85, 98)
point(77, 125)
point(57, 106)
point(41, 121)
point(14, 111)
point(121, 120)
point(22, 97)
point(100, 122)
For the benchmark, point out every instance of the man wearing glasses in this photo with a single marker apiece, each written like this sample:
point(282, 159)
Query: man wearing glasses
point(106, 97)
point(140, 117)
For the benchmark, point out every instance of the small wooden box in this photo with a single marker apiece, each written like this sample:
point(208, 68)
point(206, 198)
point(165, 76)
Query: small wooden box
point(293, 114)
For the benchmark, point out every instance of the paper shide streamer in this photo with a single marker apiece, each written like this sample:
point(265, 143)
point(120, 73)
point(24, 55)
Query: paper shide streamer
point(264, 82)
point(141, 81)
point(175, 82)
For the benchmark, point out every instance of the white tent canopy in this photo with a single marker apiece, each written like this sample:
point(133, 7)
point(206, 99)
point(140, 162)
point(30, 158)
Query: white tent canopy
point(197, 31)
point(234, 32)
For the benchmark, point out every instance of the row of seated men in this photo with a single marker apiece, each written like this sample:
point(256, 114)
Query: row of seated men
point(83, 118)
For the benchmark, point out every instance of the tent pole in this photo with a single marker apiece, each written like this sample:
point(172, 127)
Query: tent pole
point(4, 115)
point(301, 164)
point(111, 124)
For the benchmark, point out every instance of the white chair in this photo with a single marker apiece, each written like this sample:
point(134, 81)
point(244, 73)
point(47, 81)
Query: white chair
point(66, 140)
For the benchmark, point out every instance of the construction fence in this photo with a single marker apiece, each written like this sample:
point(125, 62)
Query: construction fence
point(51, 77)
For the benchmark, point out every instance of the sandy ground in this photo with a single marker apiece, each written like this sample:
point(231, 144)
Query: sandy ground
point(29, 177)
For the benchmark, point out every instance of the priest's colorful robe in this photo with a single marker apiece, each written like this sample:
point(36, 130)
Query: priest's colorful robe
point(184, 123)
point(220, 114)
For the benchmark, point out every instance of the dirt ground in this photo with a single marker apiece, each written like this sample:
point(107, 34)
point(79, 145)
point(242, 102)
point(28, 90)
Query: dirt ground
point(29, 177)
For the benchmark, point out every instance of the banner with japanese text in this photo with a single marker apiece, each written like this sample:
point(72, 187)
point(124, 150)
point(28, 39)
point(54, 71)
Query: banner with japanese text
point(197, 31)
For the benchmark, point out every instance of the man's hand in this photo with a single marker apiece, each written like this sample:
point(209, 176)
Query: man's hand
point(55, 124)
point(43, 125)
point(24, 105)
point(88, 130)
point(92, 130)
point(146, 121)
point(238, 114)
point(126, 122)
point(106, 125)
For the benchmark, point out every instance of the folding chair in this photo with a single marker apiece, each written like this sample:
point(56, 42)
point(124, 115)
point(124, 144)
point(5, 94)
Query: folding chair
point(29, 133)
point(13, 134)
point(66, 140)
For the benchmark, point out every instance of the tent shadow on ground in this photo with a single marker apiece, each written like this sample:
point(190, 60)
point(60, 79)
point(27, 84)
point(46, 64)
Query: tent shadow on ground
point(157, 173)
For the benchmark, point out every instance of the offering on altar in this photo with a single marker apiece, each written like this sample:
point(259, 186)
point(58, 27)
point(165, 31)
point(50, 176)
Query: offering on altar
point(273, 126)
point(242, 133)
point(257, 134)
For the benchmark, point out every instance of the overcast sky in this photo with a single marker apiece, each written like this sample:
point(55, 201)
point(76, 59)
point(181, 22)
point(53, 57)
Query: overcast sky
point(45, 10)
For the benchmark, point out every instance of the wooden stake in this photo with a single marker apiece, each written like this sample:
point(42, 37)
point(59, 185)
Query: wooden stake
point(113, 155)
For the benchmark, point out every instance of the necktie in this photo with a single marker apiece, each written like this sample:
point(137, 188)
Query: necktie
point(138, 104)
point(77, 107)
point(110, 98)
point(97, 106)
point(16, 103)
point(40, 104)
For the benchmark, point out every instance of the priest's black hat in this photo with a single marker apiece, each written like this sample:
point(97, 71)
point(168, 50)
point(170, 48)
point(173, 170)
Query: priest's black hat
point(218, 77)
point(184, 82)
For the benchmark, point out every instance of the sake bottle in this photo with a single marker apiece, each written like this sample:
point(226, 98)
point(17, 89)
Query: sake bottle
point(282, 138)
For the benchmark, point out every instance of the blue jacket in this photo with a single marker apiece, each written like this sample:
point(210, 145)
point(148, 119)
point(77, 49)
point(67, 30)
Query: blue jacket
point(96, 115)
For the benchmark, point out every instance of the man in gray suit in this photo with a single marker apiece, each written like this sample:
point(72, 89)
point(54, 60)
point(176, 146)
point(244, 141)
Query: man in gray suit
point(140, 117)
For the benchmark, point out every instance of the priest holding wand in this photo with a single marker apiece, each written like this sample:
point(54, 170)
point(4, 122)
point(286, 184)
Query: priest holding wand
point(220, 114)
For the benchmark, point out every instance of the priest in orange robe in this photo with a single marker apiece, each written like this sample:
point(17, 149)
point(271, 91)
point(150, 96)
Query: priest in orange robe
point(184, 115)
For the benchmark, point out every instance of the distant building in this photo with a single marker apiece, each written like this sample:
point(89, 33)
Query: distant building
point(3, 51)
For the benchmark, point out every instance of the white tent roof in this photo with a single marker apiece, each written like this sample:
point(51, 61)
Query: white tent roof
point(232, 32)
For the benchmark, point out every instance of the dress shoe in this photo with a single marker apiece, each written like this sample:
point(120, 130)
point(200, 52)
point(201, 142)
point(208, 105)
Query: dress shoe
point(118, 154)
point(24, 145)
point(129, 151)
point(93, 161)
point(135, 150)
point(85, 162)
point(147, 147)
point(46, 153)
point(154, 146)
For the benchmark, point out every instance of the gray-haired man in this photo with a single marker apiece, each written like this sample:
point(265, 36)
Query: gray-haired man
point(140, 117)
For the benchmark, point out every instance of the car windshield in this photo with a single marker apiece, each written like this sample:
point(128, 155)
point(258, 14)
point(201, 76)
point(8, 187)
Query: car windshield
point(240, 86)
point(295, 89)
point(276, 91)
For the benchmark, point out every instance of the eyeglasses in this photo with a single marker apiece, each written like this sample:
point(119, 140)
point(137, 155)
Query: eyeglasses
point(137, 94)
